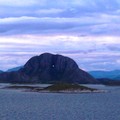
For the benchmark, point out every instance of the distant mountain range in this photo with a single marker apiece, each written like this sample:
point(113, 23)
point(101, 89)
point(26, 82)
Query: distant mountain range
point(47, 68)
point(14, 69)
point(118, 77)
point(115, 75)
point(50, 68)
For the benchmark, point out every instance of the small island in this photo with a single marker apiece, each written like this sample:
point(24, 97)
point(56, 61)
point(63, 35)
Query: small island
point(67, 87)
point(56, 88)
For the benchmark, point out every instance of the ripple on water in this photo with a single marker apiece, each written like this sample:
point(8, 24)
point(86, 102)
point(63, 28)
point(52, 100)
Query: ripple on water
point(16, 105)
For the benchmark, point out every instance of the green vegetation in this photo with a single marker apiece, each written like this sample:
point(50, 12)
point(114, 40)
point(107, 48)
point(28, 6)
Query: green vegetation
point(59, 87)
point(67, 86)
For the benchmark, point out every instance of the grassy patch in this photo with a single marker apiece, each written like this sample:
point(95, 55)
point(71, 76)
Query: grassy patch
point(66, 86)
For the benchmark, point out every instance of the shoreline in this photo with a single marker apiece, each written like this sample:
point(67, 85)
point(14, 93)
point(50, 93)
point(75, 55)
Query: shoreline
point(70, 92)
point(42, 90)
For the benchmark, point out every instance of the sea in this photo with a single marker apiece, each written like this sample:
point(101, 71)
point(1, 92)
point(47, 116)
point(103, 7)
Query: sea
point(20, 105)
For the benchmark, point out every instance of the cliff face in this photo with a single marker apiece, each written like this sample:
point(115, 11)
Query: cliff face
point(48, 68)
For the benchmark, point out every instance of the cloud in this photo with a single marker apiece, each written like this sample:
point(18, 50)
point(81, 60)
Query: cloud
point(97, 25)
point(75, 16)
point(74, 7)
point(89, 52)
point(19, 3)
point(85, 30)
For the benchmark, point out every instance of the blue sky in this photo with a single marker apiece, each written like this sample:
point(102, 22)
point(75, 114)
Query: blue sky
point(86, 30)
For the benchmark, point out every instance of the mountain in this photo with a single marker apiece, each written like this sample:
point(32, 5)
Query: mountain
point(1, 71)
point(14, 69)
point(105, 74)
point(110, 82)
point(117, 78)
point(48, 68)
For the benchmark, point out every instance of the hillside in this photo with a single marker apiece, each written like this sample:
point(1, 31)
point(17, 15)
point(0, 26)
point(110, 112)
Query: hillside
point(105, 74)
point(109, 82)
point(59, 88)
point(14, 69)
point(67, 87)
point(48, 68)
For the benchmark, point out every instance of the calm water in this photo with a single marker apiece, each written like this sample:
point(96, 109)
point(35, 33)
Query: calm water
point(16, 105)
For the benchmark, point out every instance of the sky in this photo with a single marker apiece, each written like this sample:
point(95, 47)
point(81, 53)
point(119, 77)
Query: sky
point(88, 31)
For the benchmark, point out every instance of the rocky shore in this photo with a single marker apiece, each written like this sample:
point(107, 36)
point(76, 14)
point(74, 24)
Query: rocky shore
point(55, 88)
